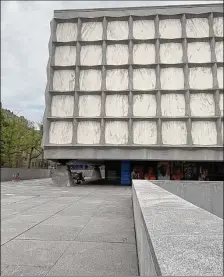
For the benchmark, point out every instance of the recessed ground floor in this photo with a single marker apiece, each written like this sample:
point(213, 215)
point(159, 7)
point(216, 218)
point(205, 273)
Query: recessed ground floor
point(123, 172)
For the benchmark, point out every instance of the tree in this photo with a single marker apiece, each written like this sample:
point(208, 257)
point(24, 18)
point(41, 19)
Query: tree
point(20, 141)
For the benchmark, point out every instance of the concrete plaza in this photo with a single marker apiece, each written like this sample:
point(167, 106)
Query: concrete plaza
point(67, 231)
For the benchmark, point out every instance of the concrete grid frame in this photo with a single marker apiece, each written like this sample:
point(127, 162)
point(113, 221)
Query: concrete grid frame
point(145, 79)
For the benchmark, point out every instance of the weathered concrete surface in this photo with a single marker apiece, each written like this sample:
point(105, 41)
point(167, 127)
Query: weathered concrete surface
point(175, 237)
point(69, 231)
point(206, 195)
point(62, 176)
point(24, 173)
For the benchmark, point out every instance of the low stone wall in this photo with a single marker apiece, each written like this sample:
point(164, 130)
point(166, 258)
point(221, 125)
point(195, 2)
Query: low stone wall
point(24, 173)
point(175, 237)
point(206, 195)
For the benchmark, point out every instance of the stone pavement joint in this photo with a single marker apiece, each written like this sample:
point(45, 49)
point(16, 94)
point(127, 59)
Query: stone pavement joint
point(82, 230)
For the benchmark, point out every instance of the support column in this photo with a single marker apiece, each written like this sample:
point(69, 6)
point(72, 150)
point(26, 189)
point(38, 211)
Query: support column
point(96, 174)
point(62, 176)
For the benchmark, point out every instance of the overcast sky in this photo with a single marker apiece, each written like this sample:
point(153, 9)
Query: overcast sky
point(25, 32)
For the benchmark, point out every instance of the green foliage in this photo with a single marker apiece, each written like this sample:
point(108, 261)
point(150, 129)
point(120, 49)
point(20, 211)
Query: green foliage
point(20, 141)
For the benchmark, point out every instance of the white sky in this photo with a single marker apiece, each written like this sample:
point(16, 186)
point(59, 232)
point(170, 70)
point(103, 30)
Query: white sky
point(25, 31)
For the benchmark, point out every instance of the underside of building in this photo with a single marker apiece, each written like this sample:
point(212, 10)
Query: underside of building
point(135, 84)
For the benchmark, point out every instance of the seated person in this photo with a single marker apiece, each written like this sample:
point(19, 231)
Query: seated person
point(134, 174)
point(178, 175)
point(150, 174)
point(204, 175)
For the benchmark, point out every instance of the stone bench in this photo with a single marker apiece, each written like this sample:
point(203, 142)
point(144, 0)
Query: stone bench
point(175, 237)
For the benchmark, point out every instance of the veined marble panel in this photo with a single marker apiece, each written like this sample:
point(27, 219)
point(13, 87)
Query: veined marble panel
point(89, 105)
point(92, 31)
point(220, 76)
point(219, 51)
point(170, 28)
point(173, 104)
point(197, 27)
point(116, 132)
point(66, 32)
point(143, 29)
point(117, 54)
point(144, 78)
point(171, 53)
point(200, 78)
point(174, 132)
point(90, 80)
point(221, 103)
point(218, 26)
point(204, 133)
point(116, 105)
point(65, 55)
point(60, 132)
point(144, 105)
point(202, 104)
point(144, 132)
point(91, 55)
point(64, 80)
point(144, 53)
point(172, 78)
point(199, 52)
point(62, 105)
point(88, 132)
point(117, 30)
point(117, 79)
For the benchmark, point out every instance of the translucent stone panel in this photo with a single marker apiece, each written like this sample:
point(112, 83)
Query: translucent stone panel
point(144, 132)
point(197, 27)
point(172, 78)
point(200, 78)
point(144, 105)
point(218, 26)
point(89, 105)
point(222, 130)
point(221, 103)
point(117, 79)
point(173, 104)
point(90, 80)
point(143, 29)
point(62, 105)
point(64, 80)
point(61, 132)
point(199, 52)
point(66, 32)
point(171, 53)
point(170, 28)
point(116, 132)
point(88, 132)
point(174, 132)
point(144, 53)
point(88, 58)
point(92, 31)
point(220, 76)
point(144, 79)
point(204, 133)
point(116, 105)
point(65, 55)
point(202, 104)
point(117, 54)
point(219, 51)
point(117, 30)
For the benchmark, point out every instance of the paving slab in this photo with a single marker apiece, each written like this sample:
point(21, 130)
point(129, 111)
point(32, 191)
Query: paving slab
point(18, 270)
point(38, 231)
point(104, 229)
point(32, 253)
point(97, 259)
point(44, 232)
